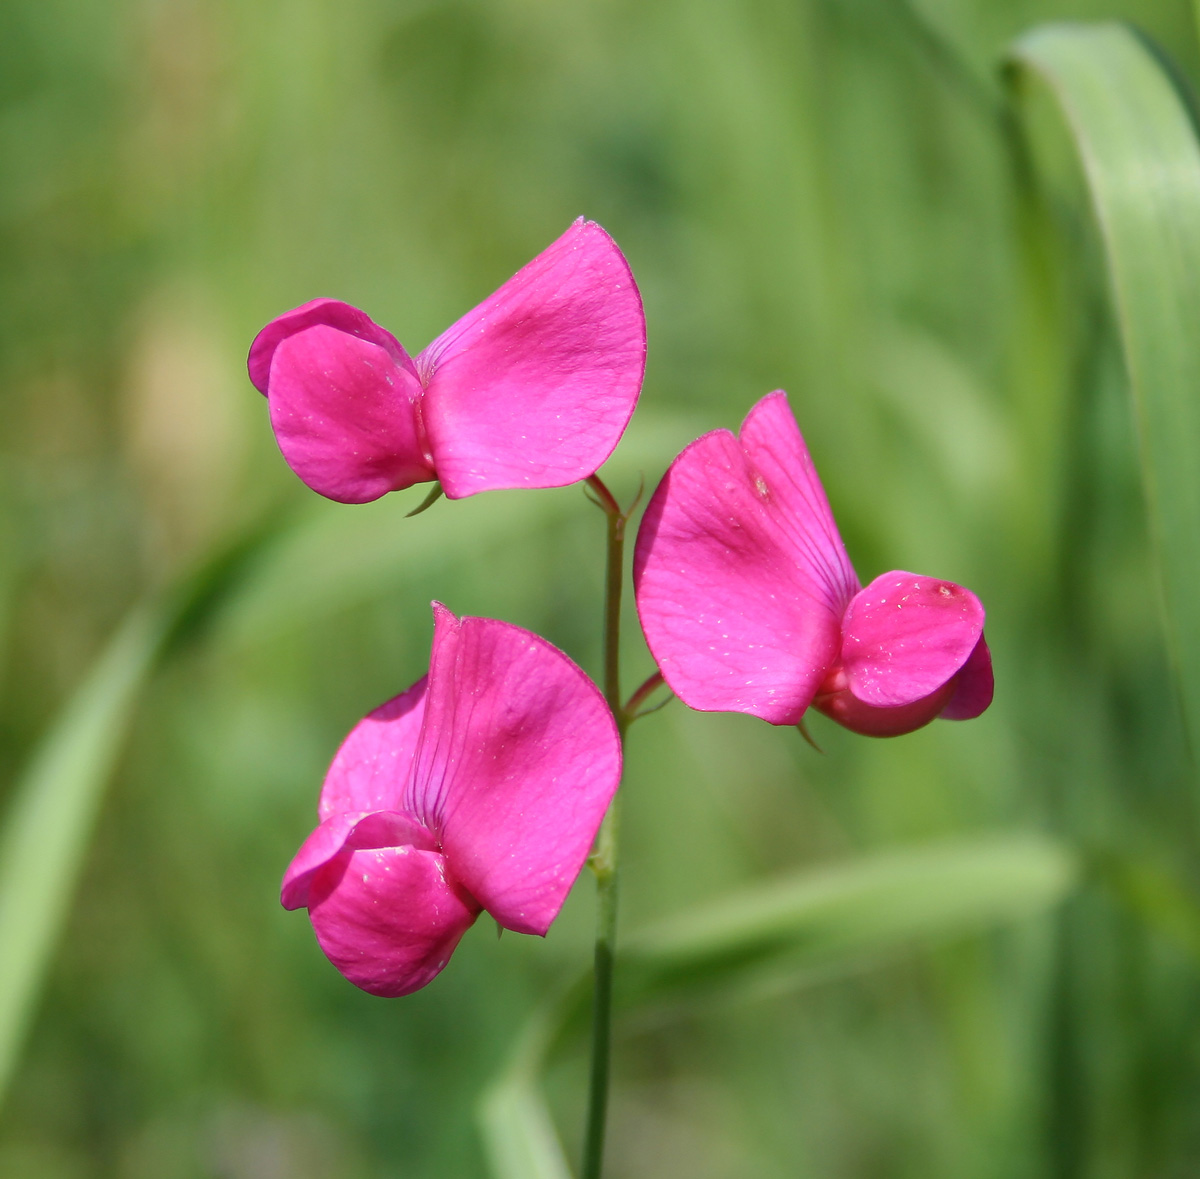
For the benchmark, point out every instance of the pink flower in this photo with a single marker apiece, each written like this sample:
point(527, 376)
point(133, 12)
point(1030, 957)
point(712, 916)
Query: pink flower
point(481, 787)
point(533, 388)
point(750, 604)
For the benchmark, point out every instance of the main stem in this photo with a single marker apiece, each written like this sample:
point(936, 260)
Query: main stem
point(604, 859)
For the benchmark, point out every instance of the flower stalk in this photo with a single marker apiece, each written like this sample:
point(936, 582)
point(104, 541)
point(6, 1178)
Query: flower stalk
point(603, 861)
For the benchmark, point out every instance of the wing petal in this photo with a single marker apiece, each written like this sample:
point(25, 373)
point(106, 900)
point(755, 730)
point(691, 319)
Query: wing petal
point(906, 636)
point(331, 313)
point(975, 686)
point(346, 415)
point(389, 917)
point(341, 835)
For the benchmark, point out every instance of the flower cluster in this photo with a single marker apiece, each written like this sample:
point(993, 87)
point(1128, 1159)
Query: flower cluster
point(483, 785)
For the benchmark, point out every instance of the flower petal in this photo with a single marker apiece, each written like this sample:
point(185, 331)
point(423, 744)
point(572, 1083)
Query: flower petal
point(973, 691)
point(389, 918)
point(519, 759)
point(534, 387)
point(345, 833)
point(838, 703)
point(372, 768)
point(346, 414)
point(906, 636)
point(330, 312)
point(740, 573)
point(787, 482)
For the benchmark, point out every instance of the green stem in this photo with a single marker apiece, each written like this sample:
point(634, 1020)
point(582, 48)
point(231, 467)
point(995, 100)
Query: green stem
point(634, 703)
point(604, 864)
point(604, 859)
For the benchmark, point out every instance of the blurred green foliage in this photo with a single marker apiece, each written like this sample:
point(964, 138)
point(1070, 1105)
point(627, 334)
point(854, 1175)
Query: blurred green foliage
point(814, 194)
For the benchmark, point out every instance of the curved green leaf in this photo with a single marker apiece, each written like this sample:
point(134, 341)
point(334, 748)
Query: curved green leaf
point(45, 834)
point(784, 934)
point(840, 915)
point(1141, 158)
point(43, 840)
point(518, 1133)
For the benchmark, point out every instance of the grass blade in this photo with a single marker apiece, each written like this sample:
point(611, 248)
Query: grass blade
point(1137, 141)
point(826, 919)
point(518, 1132)
point(45, 836)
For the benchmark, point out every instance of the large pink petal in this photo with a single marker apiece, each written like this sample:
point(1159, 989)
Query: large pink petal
point(389, 918)
point(788, 485)
point(740, 573)
point(346, 415)
point(534, 387)
point(330, 312)
point(344, 833)
point(974, 686)
point(372, 768)
point(905, 637)
point(519, 759)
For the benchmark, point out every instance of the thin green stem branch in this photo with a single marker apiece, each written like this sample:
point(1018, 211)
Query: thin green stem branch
point(608, 501)
point(651, 685)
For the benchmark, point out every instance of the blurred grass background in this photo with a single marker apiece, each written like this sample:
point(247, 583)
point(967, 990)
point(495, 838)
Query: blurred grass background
point(813, 194)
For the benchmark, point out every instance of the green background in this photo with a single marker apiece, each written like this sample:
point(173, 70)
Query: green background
point(819, 195)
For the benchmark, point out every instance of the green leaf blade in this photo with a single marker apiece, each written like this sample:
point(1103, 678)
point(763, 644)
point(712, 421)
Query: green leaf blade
point(785, 933)
point(45, 831)
point(44, 838)
point(1137, 141)
point(825, 919)
point(518, 1132)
